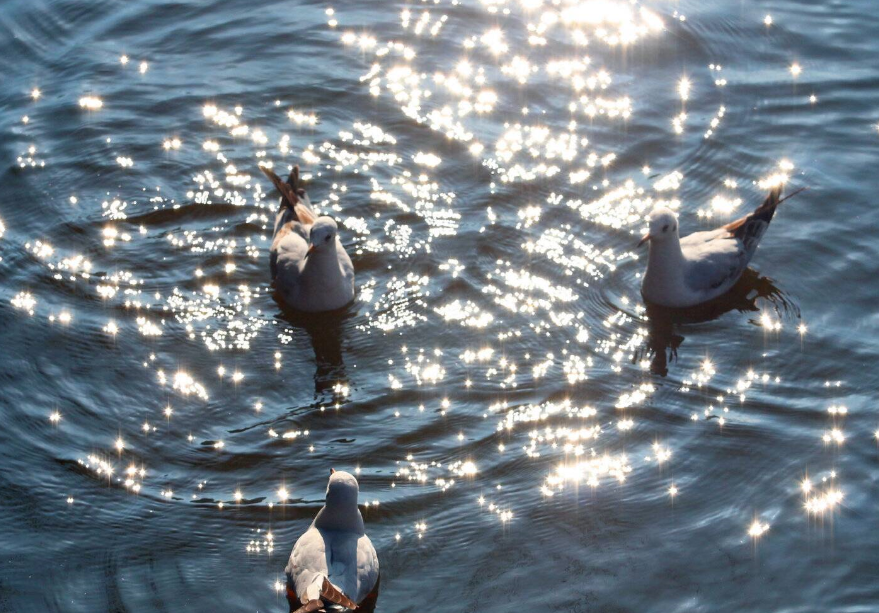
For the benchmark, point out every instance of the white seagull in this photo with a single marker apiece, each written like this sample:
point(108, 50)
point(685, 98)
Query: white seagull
point(683, 272)
point(310, 268)
point(334, 565)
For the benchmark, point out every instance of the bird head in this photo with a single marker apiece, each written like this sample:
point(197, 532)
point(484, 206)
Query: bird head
point(663, 225)
point(322, 235)
point(342, 490)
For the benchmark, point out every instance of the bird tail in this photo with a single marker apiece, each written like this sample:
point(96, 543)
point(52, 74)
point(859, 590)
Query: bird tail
point(765, 211)
point(750, 228)
point(757, 221)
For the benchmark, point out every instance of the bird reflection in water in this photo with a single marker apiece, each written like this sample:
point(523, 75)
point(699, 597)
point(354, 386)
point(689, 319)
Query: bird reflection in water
point(663, 323)
point(326, 331)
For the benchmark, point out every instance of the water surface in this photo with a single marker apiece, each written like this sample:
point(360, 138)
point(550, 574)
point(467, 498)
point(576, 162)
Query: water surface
point(168, 430)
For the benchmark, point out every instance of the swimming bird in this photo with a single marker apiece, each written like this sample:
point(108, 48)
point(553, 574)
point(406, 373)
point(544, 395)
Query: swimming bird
point(684, 272)
point(310, 268)
point(334, 565)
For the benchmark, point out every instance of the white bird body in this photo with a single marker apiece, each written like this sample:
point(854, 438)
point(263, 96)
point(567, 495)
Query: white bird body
point(310, 268)
point(684, 272)
point(335, 548)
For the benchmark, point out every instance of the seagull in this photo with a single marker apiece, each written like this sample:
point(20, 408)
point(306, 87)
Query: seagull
point(684, 272)
point(334, 565)
point(310, 268)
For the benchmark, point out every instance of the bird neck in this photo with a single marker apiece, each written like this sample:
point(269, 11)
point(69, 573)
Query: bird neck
point(324, 261)
point(343, 517)
point(665, 265)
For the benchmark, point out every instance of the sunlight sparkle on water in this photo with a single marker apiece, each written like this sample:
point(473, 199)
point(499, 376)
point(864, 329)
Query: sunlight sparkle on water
point(24, 301)
point(834, 435)
point(684, 88)
point(825, 501)
point(757, 529)
point(91, 103)
point(478, 101)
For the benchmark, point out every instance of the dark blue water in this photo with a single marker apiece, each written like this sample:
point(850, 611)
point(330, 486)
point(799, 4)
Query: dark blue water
point(520, 435)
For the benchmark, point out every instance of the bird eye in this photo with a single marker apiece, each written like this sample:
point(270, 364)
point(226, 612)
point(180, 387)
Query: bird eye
point(327, 239)
point(665, 227)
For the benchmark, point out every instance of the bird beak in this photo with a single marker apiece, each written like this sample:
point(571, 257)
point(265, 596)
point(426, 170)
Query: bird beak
point(310, 250)
point(644, 239)
point(332, 471)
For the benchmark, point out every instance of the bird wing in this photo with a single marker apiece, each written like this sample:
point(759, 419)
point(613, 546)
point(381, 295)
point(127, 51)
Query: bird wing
point(367, 568)
point(714, 259)
point(289, 247)
point(308, 561)
point(353, 564)
point(345, 262)
point(717, 257)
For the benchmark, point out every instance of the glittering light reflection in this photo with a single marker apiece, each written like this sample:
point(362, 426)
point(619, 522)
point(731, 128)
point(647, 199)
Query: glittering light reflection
point(480, 100)
point(757, 529)
point(91, 103)
point(684, 86)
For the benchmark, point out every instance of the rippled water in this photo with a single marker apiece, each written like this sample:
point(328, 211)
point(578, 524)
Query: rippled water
point(497, 385)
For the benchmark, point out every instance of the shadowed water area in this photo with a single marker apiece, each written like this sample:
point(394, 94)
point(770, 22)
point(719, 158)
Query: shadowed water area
point(525, 434)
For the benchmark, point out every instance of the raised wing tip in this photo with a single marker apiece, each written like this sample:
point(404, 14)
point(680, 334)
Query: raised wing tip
point(293, 179)
point(288, 192)
point(792, 194)
point(268, 172)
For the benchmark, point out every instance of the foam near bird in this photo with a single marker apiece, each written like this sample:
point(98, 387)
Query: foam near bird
point(310, 268)
point(684, 272)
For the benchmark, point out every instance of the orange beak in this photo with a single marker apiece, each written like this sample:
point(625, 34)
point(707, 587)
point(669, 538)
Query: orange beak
point(644, 239)
point(310, 250)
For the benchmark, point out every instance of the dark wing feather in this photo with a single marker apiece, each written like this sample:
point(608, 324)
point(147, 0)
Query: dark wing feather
point(329, 592)
point(289, 198)
point(310, 606)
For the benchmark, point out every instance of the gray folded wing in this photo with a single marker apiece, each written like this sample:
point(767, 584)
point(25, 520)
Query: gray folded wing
point(714, 259)
point(288, 251)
